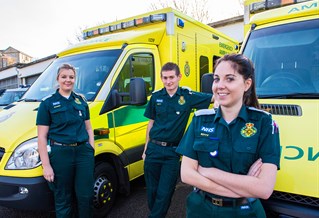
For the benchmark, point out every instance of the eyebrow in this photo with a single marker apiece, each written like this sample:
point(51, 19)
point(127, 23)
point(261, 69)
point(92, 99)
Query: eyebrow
point(227, 75)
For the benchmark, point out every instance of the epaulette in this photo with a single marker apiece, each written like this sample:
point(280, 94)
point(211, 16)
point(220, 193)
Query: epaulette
point(205, 112)
point(81, 95)
point(186, 87)
point(156, 90)
point(259, 110)
point(46, 97)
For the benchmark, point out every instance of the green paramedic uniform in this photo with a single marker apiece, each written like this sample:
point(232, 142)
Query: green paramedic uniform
point(71, 155)
point(232, 147)
point(162, 163)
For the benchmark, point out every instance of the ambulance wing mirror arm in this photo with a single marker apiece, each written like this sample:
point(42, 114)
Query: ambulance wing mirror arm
point(136, 96)
point(207, 83)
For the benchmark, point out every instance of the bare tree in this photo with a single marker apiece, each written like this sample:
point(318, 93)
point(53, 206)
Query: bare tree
point(197, 9)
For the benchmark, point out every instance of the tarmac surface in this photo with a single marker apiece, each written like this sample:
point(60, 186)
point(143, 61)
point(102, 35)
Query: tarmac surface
point(132, 206)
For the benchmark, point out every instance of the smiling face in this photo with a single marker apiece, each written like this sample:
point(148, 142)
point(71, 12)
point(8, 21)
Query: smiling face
point(66, 79)
point(170, 81)
point(229, 86)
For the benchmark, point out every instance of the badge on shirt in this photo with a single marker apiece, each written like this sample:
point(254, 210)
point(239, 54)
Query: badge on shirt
point(213, 153)
point(248, 130)
point(159, 101)
point(77, 101)
point(181, 100)
point(56, 104)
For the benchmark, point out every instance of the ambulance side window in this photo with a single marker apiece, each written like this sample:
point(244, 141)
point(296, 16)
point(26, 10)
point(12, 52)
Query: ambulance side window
point(203, 66)
point(137, 65)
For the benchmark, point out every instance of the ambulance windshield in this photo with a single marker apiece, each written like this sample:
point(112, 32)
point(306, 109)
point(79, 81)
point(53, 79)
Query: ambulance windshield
point(286, 59)
point(92, 70)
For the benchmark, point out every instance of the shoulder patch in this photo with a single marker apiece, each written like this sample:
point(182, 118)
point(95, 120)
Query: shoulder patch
point(46, 97)
point(205, 112)
point(255, 109)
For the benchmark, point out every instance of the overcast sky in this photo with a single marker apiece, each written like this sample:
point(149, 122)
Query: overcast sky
point(41, 28)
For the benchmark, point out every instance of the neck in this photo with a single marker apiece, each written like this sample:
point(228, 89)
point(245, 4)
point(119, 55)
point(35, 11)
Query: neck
point(230, 113)
point(171, 92)
point(64, 93)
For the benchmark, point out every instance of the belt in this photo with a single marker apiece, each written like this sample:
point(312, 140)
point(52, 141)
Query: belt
point(164, 143)
point(223, 202)
point(52, 143)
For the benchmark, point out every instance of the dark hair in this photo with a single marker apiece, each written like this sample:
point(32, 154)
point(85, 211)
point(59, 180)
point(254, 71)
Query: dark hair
point(171, 66)
point(65, 67)
point(245, 67)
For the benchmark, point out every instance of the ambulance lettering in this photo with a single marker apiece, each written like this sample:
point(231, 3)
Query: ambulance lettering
point(303, 7)
point(293, 152)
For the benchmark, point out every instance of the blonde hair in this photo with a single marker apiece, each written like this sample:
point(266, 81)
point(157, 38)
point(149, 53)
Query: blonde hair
point(65, 67)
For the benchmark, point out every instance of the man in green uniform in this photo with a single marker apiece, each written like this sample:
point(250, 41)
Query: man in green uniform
point(168, 111)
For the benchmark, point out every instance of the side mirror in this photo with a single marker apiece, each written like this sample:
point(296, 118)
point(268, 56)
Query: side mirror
point(138, 91)
point(207, 83)
point(136, 96)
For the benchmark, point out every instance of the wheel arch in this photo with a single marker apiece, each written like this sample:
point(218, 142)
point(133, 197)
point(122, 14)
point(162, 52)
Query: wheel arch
point(119, 165)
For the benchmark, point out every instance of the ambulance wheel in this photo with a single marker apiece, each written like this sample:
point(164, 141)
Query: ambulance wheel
point(105, 189)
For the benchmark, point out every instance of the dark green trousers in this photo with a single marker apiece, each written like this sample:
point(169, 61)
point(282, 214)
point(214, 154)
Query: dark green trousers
point(73, 181)
point(199, 207)
point(161, 171)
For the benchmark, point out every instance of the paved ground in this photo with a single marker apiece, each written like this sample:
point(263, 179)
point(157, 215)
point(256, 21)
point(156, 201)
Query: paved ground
point(133, 206)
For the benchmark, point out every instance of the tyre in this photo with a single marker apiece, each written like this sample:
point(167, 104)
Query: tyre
point(105, 189)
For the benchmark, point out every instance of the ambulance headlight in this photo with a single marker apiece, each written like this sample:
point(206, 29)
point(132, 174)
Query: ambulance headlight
point(25, 156)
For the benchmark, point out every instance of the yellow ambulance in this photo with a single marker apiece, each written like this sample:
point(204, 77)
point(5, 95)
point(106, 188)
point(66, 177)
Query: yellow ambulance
point(118, 67)
point(283, 43)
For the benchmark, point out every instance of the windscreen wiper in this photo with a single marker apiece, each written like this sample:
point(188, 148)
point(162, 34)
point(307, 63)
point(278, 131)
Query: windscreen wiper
point(30, 100)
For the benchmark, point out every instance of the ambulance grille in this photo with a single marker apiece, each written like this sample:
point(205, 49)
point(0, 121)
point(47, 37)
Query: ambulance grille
point(1, 153)
point(300, 199)
point(282, 109)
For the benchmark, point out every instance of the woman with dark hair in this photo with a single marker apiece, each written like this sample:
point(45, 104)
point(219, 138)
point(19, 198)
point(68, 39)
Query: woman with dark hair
point(230, 156)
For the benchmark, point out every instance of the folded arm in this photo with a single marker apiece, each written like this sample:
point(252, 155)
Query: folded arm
point(260, 186)
point(191, 176)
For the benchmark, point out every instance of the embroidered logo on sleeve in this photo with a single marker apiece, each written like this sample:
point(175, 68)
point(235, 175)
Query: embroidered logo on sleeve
point(248, 130)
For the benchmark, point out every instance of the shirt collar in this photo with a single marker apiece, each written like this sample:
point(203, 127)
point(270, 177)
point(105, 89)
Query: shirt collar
point(59, 96)
point(178, 91)
point(242, 113)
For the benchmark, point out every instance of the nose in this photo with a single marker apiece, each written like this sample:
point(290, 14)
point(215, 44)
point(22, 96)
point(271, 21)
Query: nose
point(219, 85)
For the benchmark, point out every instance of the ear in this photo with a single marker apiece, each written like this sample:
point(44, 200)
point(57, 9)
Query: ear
point(180, 76)
point(248, 83)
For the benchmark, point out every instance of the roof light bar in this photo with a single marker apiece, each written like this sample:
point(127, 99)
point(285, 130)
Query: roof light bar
point(124, 25)
point(270, 4)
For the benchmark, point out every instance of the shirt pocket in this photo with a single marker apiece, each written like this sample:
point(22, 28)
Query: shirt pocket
point(59, 115)
point(80, 110)
point(207, 151)
point(244, 155)
point(161, 111)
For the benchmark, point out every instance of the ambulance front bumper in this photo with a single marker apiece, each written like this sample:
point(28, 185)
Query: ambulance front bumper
point(26, 194)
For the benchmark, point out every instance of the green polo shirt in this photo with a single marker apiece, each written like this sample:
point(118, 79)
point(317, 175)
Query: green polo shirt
point(232, 147)
point(65, 117)
point(171, 114)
